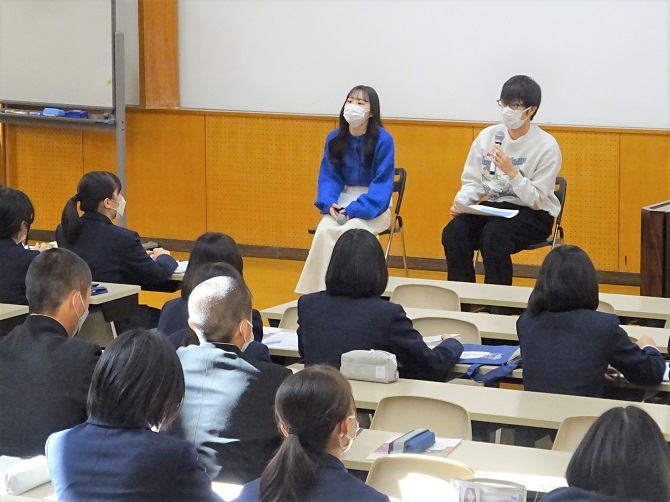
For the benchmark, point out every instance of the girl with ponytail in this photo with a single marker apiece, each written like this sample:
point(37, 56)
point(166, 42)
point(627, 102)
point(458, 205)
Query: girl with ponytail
point(316, 414)
point(114, 253)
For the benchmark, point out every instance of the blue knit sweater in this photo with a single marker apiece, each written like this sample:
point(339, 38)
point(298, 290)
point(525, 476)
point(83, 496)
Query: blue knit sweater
point(354, 172)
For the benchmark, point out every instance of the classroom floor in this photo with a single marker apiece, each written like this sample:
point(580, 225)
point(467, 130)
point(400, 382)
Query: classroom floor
point(272, 282)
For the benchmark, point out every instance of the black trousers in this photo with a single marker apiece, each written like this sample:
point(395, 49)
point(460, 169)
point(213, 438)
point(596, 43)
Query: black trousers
point(496, 238)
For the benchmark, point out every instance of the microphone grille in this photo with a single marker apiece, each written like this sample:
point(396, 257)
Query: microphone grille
point(499, 136)
point(341, 219)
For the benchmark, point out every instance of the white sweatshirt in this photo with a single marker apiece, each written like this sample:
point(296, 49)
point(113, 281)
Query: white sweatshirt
point(535, 154)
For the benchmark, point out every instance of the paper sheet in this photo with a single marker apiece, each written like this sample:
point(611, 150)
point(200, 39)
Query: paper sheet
point(485, 210)
point(441, 448)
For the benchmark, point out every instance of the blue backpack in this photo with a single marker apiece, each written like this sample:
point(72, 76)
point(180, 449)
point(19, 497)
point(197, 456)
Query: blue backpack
point(506, 357)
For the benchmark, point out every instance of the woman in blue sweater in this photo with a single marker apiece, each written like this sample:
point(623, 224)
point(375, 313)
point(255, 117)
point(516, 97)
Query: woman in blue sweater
point(355, 182)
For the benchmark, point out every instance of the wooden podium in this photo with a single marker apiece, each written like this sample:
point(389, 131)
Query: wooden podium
point(655, 253)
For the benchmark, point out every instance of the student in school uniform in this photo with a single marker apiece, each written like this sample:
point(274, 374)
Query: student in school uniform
point(16, 216)
point(355, 181)
point(255, 350)
point(118, 454)
point(316, 415)
point(567, 346)
point(113, 253)
point(228, 406)
point(44, 372)
point(211, 247)
point(351, 315)
point(623, 457)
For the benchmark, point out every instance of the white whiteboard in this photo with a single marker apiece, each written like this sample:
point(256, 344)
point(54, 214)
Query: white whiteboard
point(60, 51)
point(599, 62)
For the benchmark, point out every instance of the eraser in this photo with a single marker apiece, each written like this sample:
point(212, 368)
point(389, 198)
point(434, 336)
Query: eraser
point(76, 114)
point(53, 112)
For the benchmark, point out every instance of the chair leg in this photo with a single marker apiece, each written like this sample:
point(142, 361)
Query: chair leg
point(476, 259)
point(404, 252)
point(388, 245)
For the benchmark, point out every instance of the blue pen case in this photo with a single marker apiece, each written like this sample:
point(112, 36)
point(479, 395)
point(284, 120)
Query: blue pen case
point(416, 441)
point(97, 289)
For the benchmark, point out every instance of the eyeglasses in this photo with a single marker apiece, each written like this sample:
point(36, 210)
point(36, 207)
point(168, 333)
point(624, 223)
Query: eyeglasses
point(513, 106)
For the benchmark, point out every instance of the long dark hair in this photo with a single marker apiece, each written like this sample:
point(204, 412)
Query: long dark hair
point(357, 267)
point(308, 405)
point(92, 189)
point(15, 208)
point(566, 281)
point(338, 145)
point(210, 247)
point(623, 455)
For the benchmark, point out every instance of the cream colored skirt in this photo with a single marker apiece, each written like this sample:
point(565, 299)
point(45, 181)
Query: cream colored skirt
point(313, 277)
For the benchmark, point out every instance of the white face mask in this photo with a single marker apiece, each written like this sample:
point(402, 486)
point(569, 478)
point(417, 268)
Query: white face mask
point(247, 342)
point(80, 319)
point(121, 208)
point(22, 237)
point(512, 118)
point(350, 438)
point(354, 114)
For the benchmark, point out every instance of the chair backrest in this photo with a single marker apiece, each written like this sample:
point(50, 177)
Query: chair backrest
point(571, 432)
point(438, 326)
point(605, 307)
point(406, 413)
point(416, 477)
point(424, 296)
point(289, 320)
point(399, 187)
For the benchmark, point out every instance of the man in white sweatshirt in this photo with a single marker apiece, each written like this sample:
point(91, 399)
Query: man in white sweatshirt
point(520, 173)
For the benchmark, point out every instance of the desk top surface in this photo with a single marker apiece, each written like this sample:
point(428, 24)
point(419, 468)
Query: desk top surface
point(500, 327)
point(506, 406)
point(116, 292)
point(536, 469)
point(7, 311)
point(648, 307)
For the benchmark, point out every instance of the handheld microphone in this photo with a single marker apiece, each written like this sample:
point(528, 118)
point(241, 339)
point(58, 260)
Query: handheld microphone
point(498, 141)
point(341, 218)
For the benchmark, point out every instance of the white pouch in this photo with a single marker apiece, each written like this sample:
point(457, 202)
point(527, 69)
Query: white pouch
point(370, 365)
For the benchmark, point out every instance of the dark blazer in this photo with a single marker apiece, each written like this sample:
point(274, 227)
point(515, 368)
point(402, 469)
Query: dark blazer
point(568, 353)
point(573, 494)
point(228, 410)
point(100, 462)
point(115, 254)
point(44, 380)
point(329, 326)
point(333, 484)
point(174, 317)
point(255, 351)
point(14, 262)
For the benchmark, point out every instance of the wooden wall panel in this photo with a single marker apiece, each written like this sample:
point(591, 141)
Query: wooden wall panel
point(433, 156)
point(99, 151)
point(261, 177)
point(48, 166)
point(591, 216)
point(166, 174)
point(644, 179)
point(254, 176)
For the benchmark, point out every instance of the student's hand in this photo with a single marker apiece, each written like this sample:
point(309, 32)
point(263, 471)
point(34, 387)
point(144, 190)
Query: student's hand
point(335, 210)
point(454, 211)
point(645, 340)
point(41, 246)
point(612, 374)
point(156, 252)
point(503, 162)
point(446, 336)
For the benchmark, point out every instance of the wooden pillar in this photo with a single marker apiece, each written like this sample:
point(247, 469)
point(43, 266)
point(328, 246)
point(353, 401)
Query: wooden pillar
point(159, 53)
